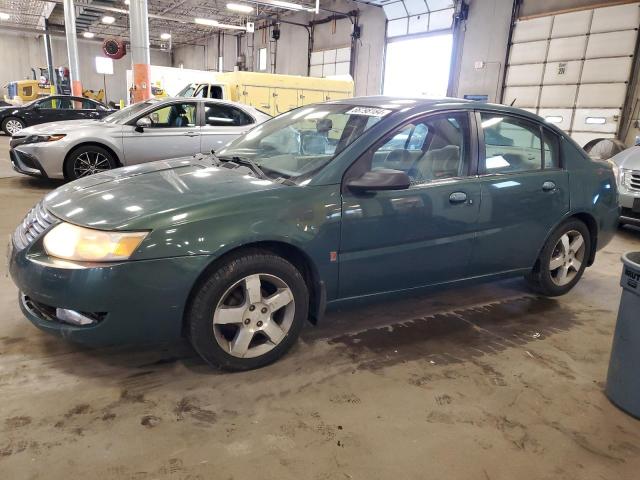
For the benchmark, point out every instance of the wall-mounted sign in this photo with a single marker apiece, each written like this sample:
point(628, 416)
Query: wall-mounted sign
point(104, 66)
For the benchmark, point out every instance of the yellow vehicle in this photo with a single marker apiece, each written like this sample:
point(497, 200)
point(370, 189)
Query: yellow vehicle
point(94, 95)
point(271, 93)
point(22, 91)
point(158, 92)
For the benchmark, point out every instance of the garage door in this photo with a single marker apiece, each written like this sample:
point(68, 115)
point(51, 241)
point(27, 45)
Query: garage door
point(419, 45)
point(574, 68)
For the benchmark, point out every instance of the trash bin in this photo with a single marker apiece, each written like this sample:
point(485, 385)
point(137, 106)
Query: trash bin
point(623, 379)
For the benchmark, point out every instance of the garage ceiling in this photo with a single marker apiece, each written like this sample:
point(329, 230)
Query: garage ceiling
point(176, 16)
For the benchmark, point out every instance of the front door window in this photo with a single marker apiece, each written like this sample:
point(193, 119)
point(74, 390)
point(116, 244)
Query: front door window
point(177, 115)
point(427, 150)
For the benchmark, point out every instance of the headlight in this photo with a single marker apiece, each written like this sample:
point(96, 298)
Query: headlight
point(71, 242)
point(616, 171)
point(42, 138)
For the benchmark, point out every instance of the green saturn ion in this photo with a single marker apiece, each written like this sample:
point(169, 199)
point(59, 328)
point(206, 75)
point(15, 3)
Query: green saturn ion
point(323, 205)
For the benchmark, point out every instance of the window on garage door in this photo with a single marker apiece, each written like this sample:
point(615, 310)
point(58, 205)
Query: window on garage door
point(419, 46)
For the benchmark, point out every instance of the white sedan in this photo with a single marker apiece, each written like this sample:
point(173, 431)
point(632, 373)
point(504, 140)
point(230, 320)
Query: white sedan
point(144, 132)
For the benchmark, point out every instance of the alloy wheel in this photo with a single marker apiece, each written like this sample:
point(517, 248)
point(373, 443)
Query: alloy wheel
point(13, 126)
point(89, 163)
point(254, 315)
point(567, 258)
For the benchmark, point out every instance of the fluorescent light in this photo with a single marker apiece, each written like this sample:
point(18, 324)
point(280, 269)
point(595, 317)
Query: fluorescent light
point(206, 21)
point(289, 5)
point(237, 7)
point(108, 19)
point(165, 36)
point(214, 23)
point(4, 16)
point(231, 27)
point(88, 34)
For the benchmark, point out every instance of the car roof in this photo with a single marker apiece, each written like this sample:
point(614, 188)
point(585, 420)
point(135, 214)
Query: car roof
point(412, 105)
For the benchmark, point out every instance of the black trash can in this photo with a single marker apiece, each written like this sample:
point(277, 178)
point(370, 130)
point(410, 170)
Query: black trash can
point(623, 379)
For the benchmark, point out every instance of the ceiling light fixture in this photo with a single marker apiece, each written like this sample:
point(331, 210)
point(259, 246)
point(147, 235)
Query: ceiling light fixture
point(4, 16)
point(165, 36)
point(107, 19)
point(287, 5)
point(88, 34)
point(238, 7)
point(207, 21)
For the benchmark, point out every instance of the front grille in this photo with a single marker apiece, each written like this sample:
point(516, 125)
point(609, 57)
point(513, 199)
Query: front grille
point(633, 180)
point(34, 224)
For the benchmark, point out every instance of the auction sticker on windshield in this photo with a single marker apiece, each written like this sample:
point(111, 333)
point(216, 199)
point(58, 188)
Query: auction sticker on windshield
point(369, 111)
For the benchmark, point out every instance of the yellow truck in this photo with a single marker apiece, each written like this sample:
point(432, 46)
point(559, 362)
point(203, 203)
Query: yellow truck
point(271, 93)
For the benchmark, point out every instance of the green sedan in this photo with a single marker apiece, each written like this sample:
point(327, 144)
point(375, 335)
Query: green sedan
point(323, 205)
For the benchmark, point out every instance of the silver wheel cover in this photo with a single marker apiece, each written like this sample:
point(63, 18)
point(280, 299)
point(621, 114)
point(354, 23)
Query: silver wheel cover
point(13, 126)
point(254, 315)
point(567, 258)
point(89, 163)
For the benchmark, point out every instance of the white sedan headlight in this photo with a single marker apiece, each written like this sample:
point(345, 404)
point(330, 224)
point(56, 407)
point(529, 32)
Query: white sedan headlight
point(71, 242)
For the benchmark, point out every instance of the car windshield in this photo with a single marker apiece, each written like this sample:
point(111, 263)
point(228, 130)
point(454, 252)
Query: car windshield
point(126, 114)
point(298, 143)
point(187, 91)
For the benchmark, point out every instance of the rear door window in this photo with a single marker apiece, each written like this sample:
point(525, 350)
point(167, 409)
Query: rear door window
point(511, 144)
point(220, 115)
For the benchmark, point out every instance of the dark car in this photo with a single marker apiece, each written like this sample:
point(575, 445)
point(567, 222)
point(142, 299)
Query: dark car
point(50, 109)
point(320, 206)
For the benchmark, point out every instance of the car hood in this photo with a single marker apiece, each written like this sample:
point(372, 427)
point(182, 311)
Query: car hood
point(629, 158)
point(66, 127)
point(146, 196)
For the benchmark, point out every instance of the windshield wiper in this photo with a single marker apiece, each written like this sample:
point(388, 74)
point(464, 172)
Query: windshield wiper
point(247, 162)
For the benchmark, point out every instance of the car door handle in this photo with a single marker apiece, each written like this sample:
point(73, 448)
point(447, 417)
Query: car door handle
point(190, 134)
point(548, 186)
point(458, 197)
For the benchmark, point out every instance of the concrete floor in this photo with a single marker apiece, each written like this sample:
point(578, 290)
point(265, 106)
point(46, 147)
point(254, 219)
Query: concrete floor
point(485, 382)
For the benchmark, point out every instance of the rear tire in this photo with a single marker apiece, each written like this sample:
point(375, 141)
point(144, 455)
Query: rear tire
point(12, 125)
point(249, 312)
point(88, 160)
point(562, 260)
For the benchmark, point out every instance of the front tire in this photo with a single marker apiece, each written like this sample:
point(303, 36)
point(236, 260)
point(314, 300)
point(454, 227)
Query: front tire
point(249, 312)
point(12, 125)
point(88, 160)
point(562, 261)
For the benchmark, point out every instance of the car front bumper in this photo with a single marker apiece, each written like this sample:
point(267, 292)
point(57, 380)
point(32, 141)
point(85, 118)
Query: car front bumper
point(26, 164)
point(44, 159)
point(630, 206)
point(131, 302)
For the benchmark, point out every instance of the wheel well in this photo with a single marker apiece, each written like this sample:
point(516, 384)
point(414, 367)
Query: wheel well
point(95, 144)
point(296, 256)
point(591, 224)
point(6, 119)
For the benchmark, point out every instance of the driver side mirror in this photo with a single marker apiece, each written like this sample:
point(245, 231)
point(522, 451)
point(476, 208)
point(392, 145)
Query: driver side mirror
point(142, 123)
point(381, 179)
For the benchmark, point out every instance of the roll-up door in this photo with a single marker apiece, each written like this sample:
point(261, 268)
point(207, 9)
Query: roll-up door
point(418, 29)
point(574, 68)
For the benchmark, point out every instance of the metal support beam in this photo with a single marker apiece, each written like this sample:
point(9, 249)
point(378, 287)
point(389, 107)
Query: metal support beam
point(47, 50)
point(72, 47)
point(140, 57)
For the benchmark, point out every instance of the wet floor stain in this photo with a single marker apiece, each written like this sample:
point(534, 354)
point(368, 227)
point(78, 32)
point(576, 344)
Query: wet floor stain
point(459, 335)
